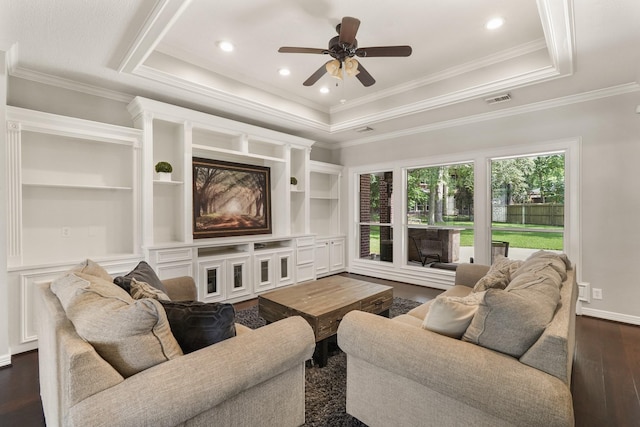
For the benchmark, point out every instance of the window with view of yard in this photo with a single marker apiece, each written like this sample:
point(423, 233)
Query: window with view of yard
point(375, 218)
point(440, 213)
point(527, 204)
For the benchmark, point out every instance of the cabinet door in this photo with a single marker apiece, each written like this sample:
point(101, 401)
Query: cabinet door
point(238, 283)
point(284, 268)
point(322, 257)
point(211, 280)
point(336, 254)
point(263, 268)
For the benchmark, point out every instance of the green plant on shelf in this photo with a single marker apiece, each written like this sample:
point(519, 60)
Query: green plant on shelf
point(164, 167)
point(294, 180)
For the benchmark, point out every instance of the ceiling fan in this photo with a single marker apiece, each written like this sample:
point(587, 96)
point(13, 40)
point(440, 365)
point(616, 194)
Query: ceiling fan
point(342, 49)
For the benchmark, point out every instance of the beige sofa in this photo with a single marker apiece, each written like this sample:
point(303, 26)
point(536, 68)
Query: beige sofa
point(254, 378)
point(401, 374)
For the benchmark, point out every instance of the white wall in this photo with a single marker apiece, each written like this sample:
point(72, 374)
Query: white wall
point(610, 201)
point(5, 354)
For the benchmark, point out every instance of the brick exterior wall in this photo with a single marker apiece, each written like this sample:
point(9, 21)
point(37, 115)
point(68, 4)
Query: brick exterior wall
point(365, 215)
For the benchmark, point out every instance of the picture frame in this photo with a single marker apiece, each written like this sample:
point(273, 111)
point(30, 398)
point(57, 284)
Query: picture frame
point(230, 199)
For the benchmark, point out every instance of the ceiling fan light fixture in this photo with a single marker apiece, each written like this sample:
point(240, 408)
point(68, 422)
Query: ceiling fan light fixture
point(334, 68)
point(284, 72)
point(351, 67)
point(324, 90)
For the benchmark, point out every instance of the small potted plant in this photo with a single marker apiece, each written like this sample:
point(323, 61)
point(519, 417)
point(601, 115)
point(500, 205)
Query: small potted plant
point(164, 170)
point(294, 183)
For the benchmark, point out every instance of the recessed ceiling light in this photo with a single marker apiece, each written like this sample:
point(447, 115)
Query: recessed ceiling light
point(284, 71)
point(324, 89)
point(225, 46)
point(494, 23)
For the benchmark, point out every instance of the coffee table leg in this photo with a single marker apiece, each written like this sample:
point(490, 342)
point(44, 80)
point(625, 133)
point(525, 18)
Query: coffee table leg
point(385, 313)
point(321, 355)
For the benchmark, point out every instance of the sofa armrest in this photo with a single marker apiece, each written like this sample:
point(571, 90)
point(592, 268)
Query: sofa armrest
point(480, 378)
point(469, 274)
point(175, 391)
point(181, 288)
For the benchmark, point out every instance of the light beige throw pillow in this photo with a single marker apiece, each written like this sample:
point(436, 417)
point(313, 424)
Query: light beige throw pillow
point(131, 335)
point(499, 274)
point(92, 268)
point(141, 290)
point(451, 316)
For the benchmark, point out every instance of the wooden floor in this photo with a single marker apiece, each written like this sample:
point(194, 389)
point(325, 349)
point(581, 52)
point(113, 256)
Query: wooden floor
point(605, 384)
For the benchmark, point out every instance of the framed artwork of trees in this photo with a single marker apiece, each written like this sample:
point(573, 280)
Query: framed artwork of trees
point(230, 199)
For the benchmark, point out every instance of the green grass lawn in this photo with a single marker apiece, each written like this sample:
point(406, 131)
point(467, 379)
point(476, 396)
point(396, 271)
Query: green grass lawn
point(516, 239)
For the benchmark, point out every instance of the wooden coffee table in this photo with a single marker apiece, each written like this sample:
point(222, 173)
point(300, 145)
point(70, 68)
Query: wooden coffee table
point(323, 303)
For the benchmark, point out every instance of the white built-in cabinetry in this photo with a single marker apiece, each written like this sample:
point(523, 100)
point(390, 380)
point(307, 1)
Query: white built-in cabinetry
point(324, 208)
point(79, 189)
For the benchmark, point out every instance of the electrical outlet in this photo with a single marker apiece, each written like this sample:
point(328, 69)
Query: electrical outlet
point(65, 232)
point(597, 293)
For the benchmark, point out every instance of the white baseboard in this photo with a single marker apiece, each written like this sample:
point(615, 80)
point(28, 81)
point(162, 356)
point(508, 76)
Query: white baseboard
point(609, 315)
point(5, 360)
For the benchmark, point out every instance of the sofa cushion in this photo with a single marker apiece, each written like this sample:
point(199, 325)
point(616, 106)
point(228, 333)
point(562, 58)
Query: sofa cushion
point(143, 273)
point(131, 335)
point(510, 321)
point(141, 290)
point(455, 291)
point(499, 274)
point(451, 316)
point(541, 260)
point(197, 324)
point(93, 269)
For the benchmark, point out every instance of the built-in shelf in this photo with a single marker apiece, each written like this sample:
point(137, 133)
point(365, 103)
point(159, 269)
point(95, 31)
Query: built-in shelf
point(236, 153)
point(157, 181)
point(77, 186)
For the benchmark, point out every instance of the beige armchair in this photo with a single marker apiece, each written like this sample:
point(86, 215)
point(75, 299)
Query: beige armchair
point(255, 378)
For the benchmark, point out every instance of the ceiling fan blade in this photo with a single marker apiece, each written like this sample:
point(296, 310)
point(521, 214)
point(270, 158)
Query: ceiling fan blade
point(365, 78)
point(348, 29)
point(383, 51)
point(286, 49)
point(316, 76)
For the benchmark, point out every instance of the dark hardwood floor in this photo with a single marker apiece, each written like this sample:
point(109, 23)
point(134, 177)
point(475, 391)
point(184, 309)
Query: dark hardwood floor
point(605, 383)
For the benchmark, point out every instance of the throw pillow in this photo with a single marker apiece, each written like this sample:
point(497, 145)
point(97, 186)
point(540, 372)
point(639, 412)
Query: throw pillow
point(499, 274)
point(130, 335)
point(93, 269)
point(141, 290)
point(197, 324)
point(451, 316)
point(511, 321)
point(143, 273)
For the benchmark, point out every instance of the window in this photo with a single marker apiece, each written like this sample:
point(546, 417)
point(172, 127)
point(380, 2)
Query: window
point(375, 216)
point(440, 213)
point(527, 205)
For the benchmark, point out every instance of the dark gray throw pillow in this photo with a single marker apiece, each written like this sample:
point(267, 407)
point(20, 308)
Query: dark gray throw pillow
point(142, 273)
point(196, 324)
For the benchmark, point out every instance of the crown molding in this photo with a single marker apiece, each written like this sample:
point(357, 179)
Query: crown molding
point(497, 58)
point(164, 14)
point(48, 79)
point(521, 80)
point(230, 102)
point(524, 109)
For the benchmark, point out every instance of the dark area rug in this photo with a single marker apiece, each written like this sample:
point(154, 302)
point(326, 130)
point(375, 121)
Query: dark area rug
point(325, 388)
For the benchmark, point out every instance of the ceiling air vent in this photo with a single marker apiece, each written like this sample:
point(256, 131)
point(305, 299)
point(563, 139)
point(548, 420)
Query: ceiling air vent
point(498, 99)
point(364, 129)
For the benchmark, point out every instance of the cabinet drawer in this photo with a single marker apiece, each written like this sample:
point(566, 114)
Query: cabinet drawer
point(378, 303)
point(305, 272)
point(171, 255)
point(305, 255)
point(328, 324)
point(305, 241)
